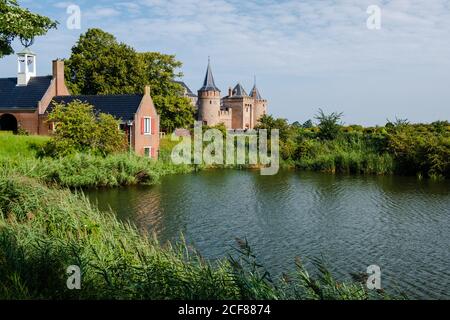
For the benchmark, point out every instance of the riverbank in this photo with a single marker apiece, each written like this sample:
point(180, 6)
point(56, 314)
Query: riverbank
point(351, 153)
point(18, 155)
point(44, 230)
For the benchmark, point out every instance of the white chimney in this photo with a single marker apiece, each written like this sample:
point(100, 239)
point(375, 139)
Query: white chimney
point(26, 66)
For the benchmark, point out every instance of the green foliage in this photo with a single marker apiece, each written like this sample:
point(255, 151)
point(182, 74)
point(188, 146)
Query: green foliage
point(308, 124)
point(329, 125)
point(268, 122)
point(160, 71)
point(175, 112)
point(421, 149)
point(43, 230)
point(79, 129)
point(101, 65)
point(17, 22)
point(84, 170)
point(20, 147)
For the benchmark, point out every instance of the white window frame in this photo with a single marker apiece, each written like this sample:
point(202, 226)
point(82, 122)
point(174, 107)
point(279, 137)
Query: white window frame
point(149, 151)
point(147, 126)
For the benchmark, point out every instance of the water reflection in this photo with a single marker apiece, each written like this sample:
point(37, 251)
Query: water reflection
point(401, 224)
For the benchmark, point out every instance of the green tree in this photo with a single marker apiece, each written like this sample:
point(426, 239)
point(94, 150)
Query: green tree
point(160, 71)
point(329, 125)
point(17, 22)
point(99, 64)
point(268, 122)
point(308, 124)
point(175, 112)
point(79, 129)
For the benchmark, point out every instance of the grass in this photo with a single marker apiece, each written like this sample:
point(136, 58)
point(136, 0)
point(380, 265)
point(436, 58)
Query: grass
point(44, 230)
point(19, 147)
point(80, 170)
point(342, 156)
point(87, 171)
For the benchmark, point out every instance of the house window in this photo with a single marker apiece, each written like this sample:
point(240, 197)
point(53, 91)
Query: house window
point(147, 126)
point(148, 152)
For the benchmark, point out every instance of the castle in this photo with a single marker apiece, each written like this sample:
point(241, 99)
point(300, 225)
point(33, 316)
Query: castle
point(237, 111)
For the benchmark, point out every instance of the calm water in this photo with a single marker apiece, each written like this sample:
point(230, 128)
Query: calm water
point(400, 224)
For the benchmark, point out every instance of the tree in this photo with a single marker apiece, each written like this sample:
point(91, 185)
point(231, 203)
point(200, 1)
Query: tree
point(79, 129)
point(160, 73)
point(329, 125)
point(296, 124)
point(175, 112)
point(308, 124)
point(17, 22)
point(100, 65)
point(268, 122)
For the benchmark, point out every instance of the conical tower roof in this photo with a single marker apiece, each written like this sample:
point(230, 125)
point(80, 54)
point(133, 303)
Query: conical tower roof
point(208, 83)
point(255, 93)
point(239, 91)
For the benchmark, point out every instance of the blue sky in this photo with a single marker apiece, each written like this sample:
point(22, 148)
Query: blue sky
point(306, 54)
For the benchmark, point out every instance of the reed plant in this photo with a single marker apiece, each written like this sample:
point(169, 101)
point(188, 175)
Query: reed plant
point(45, 230)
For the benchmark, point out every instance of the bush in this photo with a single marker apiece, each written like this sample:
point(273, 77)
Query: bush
point(79, 129)
point(419, 149)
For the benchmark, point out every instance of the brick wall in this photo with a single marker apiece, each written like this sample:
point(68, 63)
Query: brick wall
point(140, 140)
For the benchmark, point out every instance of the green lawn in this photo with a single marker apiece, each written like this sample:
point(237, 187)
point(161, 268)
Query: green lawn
point(14, 146)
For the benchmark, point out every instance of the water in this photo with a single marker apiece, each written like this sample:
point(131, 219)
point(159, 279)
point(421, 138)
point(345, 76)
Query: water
point(401, 224)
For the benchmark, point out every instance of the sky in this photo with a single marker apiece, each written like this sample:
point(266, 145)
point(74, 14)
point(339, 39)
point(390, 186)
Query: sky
point(305, 54)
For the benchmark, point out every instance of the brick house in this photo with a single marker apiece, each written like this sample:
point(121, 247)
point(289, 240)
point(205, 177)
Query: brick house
point(26, 100)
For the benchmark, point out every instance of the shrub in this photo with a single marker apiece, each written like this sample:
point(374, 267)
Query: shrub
point(79, 129)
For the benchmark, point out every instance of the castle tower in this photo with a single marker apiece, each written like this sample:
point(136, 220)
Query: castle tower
point(242, 107)
point(26, 66)
point(260, 104)
point(209, 100)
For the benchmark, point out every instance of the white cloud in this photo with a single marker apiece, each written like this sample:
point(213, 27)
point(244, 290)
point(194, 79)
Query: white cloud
point(291, 45)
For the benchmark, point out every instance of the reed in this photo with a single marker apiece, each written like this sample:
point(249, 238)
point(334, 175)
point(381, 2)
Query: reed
point(45, 230)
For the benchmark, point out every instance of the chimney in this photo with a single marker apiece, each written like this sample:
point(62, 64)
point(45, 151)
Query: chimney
point(147, 90)
point(58, 76)
point(230, 92)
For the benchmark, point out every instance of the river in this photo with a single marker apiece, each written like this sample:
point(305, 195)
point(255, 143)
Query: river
point(401, 224)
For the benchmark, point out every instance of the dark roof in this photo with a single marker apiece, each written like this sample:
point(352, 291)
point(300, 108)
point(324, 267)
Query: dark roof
point(120, 106)
point(22, 97)
point(255, 93)
point(188, 90)
point(208, 83)
point(239, 91)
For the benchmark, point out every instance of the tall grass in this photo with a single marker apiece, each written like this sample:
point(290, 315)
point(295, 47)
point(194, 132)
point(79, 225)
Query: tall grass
point(17, 154)
point(84, 170)
point(343, 156)
point(19, 147)
point(43, 231)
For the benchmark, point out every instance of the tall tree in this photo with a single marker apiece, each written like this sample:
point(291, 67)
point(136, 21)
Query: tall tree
point(160, 71)
point(176, 112)
point(17, 22)
point(329, 124)
point(99, 64)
